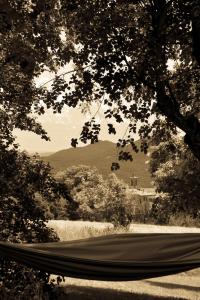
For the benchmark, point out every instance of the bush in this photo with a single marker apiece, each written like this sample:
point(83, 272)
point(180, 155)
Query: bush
point(182, 219)
point(176, 176)
point(22, 219)
point(160, 211)
point(117, 207)
point(99, 199)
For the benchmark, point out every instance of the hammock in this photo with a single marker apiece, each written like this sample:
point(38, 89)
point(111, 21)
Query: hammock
point(114, 257)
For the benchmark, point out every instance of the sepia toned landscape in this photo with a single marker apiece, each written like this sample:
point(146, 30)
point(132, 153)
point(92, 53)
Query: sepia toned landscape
point(99, 149)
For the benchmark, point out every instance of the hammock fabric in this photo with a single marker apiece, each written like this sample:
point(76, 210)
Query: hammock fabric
point(114, 257)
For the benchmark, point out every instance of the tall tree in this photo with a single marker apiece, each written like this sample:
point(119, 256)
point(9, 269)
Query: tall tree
point(22, 219)
point(99, 199)
point(89, 189)
point(121, 51)
point(27, 47)
point(176, 174)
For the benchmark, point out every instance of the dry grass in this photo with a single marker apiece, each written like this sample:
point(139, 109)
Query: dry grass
point(182, 286)
point(71, 230)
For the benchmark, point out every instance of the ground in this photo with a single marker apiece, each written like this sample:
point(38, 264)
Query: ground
point(181, 286)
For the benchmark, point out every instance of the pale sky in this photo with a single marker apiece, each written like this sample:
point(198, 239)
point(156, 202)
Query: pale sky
point(61, 128)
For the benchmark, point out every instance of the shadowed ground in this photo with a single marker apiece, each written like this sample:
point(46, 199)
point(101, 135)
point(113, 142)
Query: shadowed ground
point(185, 285)
point(174, 286)
point(88, 293)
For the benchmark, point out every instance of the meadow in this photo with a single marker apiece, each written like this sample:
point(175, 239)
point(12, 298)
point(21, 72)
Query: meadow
point(185, 285)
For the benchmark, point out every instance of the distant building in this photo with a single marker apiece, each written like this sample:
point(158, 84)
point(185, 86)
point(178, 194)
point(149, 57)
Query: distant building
point(143, 195)
point(133, 181)
point(142, 198)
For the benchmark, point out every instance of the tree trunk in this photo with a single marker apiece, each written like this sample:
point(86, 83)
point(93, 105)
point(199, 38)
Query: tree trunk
point(166, 101)
point(195, 18)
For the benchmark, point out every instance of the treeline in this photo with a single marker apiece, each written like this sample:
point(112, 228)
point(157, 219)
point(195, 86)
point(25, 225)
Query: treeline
point(98, 199)
point(176, 178)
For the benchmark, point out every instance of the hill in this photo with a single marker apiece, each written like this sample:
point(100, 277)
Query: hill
point(101, 155)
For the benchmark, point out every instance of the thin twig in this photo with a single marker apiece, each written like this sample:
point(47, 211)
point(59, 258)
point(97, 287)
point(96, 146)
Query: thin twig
point(98, 109)
point(138, 77)
point(65, 73)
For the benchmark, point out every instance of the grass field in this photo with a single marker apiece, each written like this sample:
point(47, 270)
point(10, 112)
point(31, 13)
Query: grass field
point(71, 230)
point(182, 286)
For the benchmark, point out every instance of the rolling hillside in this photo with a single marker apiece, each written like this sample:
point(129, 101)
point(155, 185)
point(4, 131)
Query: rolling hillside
point(101, 155)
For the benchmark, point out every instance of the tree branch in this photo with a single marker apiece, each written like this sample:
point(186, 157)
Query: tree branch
point(65, 73)
point(140, 78)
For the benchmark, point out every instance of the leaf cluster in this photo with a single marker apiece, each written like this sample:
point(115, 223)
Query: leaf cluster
point(22, 217)
point(175, 171)
point(99, 199)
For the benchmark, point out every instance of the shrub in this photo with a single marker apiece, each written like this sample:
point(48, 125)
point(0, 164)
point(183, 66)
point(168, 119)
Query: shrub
point(99, 199)
point(176, 176)
point(182, 219)
point(160, 211)
point(22, 219)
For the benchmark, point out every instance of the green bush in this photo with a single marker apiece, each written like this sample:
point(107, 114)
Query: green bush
point(176, 176)
point(22, 219)
point(182, 219)
point(117, 207)
point(99, 199)
point(160, 211)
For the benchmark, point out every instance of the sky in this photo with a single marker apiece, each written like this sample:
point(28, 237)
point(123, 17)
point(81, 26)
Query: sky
point(62, 127)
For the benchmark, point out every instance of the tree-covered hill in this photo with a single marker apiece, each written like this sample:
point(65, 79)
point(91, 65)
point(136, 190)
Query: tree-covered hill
point(101, 155)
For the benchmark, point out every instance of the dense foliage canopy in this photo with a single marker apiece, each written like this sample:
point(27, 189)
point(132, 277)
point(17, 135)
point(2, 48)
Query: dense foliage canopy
point(99, 199)
point(22, 217)
point(176, 175)
point(121, 52)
